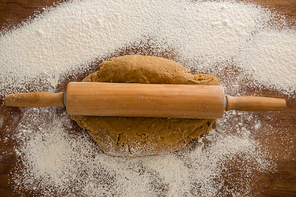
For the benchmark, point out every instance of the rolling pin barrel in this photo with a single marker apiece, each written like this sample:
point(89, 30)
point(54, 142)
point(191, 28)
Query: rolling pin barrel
point(145, 100)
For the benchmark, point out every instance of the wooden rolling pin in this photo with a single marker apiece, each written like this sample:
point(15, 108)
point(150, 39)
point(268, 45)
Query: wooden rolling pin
point(145, 100)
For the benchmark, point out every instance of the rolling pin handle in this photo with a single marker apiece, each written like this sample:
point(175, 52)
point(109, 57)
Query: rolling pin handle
point(252, 103)
point(64, 99)
point(36, 99)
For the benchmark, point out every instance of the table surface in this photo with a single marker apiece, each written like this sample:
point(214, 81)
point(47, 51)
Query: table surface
point(281, 182)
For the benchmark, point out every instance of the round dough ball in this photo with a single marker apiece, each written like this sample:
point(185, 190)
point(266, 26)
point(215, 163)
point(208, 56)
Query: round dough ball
point(125, 136)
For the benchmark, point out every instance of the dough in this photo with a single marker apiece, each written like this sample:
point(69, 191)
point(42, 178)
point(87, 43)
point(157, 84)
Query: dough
point(124, 136)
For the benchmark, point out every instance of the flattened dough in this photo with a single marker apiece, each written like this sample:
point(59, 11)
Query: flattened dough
point(123, 136)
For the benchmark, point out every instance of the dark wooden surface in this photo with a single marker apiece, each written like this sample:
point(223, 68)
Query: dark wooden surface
point(281, 182)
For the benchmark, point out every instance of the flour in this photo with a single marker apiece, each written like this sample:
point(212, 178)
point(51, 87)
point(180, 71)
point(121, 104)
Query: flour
point(203, 35)
point(57, 161)
point(268, 51)
point(68, 36)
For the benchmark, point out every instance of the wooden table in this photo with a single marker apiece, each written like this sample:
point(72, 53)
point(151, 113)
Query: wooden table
point(281, 182)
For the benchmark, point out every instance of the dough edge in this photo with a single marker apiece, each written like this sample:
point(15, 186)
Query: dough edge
point(125, 136)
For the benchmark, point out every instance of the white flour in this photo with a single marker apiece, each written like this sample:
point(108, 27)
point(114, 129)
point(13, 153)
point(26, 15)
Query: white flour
point(57, 161)
point(268, 51)
point(202, 34)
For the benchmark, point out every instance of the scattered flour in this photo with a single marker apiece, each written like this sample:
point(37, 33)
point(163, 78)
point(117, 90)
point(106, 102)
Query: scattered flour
point(59, 162)
point(54, 160)
point(268, 51)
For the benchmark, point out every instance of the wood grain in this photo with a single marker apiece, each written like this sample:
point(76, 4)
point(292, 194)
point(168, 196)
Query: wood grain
point(279, 182)
point(145, 100)
point(34, 99)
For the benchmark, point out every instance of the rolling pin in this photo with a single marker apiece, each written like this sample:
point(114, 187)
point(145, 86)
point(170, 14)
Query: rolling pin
point(145, 100)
